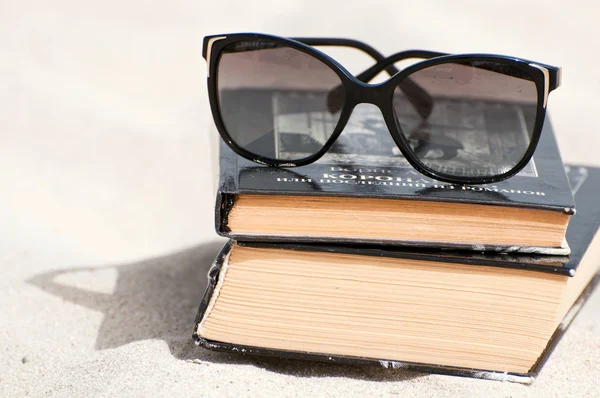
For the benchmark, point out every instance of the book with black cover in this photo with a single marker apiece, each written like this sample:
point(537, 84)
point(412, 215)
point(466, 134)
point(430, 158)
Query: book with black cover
point(365, 164)
point(582, 235)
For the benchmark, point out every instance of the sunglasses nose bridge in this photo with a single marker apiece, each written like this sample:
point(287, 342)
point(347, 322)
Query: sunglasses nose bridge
point(374, 94)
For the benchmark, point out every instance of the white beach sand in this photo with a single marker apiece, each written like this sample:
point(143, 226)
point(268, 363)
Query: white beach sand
point(106, 188)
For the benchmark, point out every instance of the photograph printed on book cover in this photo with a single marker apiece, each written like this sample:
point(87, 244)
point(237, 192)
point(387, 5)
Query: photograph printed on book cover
point(462, 135)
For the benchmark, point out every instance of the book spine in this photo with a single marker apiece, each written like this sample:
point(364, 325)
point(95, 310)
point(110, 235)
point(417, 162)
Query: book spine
point(213, 277)
point(227, 189)
point(223, 206)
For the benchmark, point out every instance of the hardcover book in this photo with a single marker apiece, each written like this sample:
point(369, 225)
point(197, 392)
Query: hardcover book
point(364, 191)
point(484, 315)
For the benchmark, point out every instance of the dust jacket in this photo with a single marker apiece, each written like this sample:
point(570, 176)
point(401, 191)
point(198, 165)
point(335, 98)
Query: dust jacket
point(585, 183)
point(365, 163)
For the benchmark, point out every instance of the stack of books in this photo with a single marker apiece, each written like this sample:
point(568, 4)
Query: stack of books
point(360, 259)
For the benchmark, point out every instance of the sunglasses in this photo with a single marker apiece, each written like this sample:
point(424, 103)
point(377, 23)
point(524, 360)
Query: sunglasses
point(468, 119)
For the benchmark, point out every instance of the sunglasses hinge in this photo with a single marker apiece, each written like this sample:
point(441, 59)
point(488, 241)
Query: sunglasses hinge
point(209, 45)
point(546, 80)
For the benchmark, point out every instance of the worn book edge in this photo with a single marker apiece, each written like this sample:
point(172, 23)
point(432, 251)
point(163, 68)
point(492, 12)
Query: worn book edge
point(563, 250)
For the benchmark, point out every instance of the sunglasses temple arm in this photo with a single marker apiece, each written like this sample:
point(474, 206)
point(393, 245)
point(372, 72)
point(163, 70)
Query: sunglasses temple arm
point(415, 94)
point(383, 64)
point(356, 44)
point(555, 77)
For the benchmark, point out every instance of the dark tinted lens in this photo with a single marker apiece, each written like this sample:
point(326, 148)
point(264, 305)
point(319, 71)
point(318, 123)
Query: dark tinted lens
point(274, 99)
point(482, 119)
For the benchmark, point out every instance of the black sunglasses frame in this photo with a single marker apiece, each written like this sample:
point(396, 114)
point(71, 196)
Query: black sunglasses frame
point(357, 90)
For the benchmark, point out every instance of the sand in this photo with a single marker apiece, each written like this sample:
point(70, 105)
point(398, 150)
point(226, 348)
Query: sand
point(106, 190)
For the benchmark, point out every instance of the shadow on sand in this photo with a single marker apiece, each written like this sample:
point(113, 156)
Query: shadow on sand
point(158, 299)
